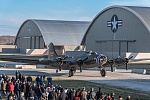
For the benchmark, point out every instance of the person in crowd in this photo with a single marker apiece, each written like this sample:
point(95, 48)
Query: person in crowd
point(49, 79)
point(3, 87)
point(71, 94)
point(13, 80)
point(5, 77)
point(22, 96)
point(23, 78)
point(34, 87)
point(17, 88)
point(28, 86)
point(76, 96)
point(49, 84)
point(12, 96)
point(11, 87)
point(52, 95)
point(99, 94)
point(23, 87)
point(29, 79)
point(41, 80)
point(58, 92)
point(92, 94)
point(120, 98)
point(31, 94)
point(112, 96)
point(20, 76)
point(7, 87)
point(108, 97)
point(0, 96)
point(83, 94)
point(62, 95)
point(44, 93)
point(17, 74)
point(128, 98)
point(37, 80)
point(1, 79)
point(39, 92)
point(67, 93)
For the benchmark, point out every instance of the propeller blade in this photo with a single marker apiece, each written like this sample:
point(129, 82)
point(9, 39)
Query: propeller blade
point(130, 57)
point(80, 63)
point(126, 61)
point(80, 68)
point(111, 68)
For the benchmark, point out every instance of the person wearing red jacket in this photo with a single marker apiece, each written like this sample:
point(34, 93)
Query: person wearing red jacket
point(11, 87)
point(76, 97)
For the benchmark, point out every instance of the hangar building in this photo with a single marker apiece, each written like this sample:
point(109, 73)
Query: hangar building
point(65, 35)
point(119, 29)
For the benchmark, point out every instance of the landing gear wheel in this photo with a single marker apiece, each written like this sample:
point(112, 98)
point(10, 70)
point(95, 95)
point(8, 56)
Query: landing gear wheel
point(71, 73)
point(60, 68)
point(56, 70)
point(103, 72)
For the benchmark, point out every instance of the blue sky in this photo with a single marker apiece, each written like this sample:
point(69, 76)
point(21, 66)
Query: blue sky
point(14, 12)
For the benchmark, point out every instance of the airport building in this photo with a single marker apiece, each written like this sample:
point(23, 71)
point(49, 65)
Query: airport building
point(119, 29)
point(65, 35)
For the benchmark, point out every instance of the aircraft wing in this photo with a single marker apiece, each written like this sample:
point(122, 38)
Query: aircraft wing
point(29, 59)
point(139, 61)
point(70, 61)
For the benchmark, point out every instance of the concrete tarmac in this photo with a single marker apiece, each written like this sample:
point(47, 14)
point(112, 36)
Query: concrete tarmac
point(120, 78)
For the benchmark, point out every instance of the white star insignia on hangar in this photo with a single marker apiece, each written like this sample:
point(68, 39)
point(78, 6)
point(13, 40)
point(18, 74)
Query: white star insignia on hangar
point(114, 23)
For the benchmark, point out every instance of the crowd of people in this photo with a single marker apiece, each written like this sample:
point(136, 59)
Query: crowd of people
point(23, 88)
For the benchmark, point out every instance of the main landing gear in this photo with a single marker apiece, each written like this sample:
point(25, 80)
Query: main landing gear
point(72, 71)
point(60, 67)
point(103, 72)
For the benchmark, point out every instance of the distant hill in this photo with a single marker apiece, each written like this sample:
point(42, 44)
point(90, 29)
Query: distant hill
point(7, 40)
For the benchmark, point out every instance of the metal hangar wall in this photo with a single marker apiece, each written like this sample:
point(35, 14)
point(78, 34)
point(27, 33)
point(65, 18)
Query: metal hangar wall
point(119, 29)
point(37, 34)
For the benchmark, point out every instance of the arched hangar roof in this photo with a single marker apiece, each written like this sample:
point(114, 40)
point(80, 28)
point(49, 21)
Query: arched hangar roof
point(59, 32)
point(143, 13)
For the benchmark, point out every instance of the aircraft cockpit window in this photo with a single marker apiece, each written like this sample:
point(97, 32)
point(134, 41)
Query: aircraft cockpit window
point(88, 51)
point(94, 53)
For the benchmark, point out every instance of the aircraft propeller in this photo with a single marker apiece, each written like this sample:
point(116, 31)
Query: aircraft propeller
point(60, 62)
point(119, 61)
point(126, 60)
point(80, 62)
point(111, 62)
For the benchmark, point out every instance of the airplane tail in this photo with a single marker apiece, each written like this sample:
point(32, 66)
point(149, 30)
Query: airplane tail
point(51, 51)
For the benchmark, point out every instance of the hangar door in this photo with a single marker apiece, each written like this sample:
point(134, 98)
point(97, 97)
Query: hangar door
point(114, 48)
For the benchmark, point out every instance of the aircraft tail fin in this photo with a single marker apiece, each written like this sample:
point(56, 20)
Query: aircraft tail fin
point(51, 51)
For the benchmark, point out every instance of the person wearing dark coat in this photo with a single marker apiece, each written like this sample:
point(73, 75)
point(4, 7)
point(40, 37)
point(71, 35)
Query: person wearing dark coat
point(62, 95)
point(29, 79)
point(99, 94)
point(28, 86)
point(23, 78)
point(31, 94)
point(52, 95)
point(37, 80)
point(20, 77)
point(12, 96)
point(17, 89)
point(39, 92)
point(17, 74)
